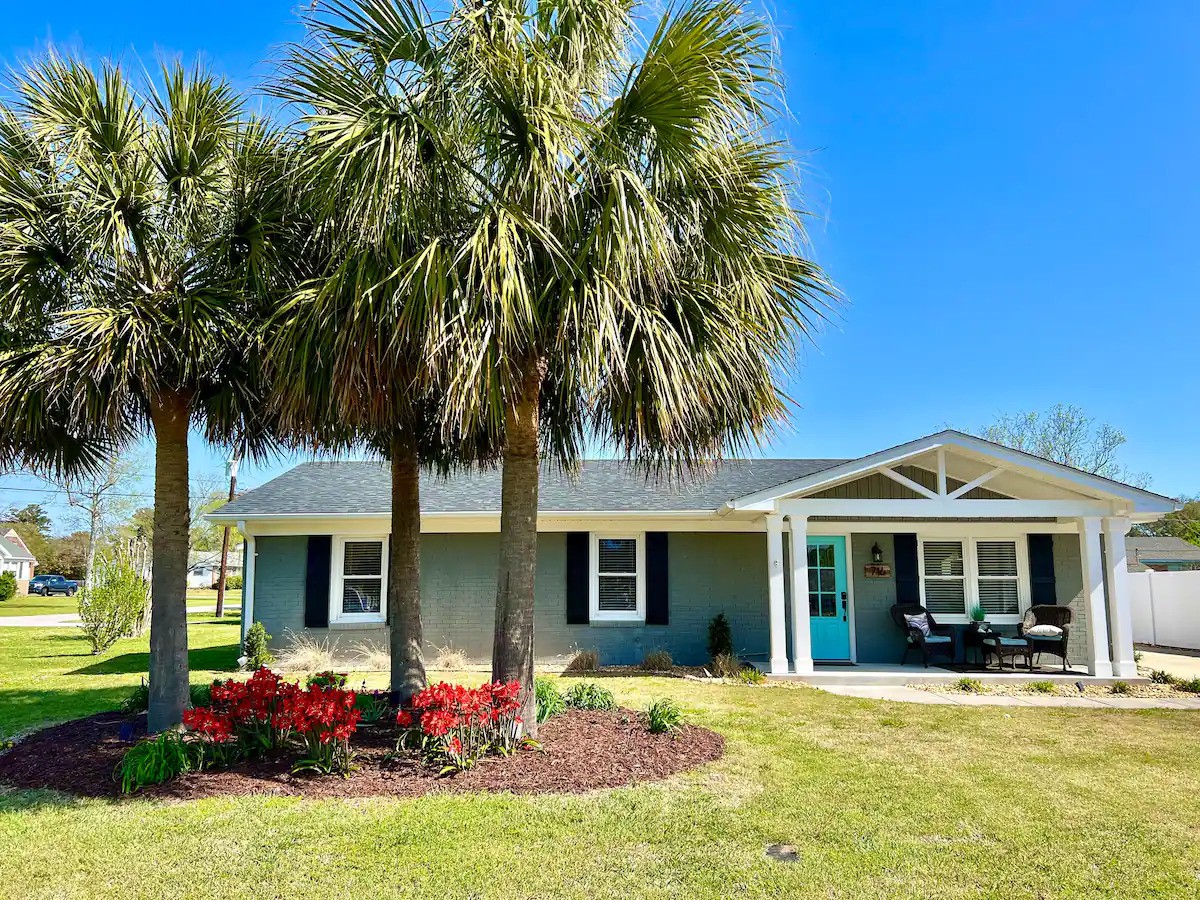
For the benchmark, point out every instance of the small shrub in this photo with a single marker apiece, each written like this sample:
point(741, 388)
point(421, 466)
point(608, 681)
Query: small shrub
point(157, 760)
point(8, 586)
point(550, 700)
point(1119, 687)
point(327, 679)
point(1162, 676)
point(750, 675)
point(370, 657)
point(233, 582)
point(138, 700)
point(1189, 684)
point(657, 661)
point(257, 648)
point(583, 661)
point(1138, 656)
point(726, 665)
point(450, 659)
point(969, 685)
point(305, 653)
point(113, 607)
point(589, 695)
point(1040, 687)
point(663, 715)
point(373, 706)
point(720, 637)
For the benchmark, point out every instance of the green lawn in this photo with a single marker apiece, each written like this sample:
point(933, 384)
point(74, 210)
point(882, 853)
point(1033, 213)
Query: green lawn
point(34, 605)
point(881, 800)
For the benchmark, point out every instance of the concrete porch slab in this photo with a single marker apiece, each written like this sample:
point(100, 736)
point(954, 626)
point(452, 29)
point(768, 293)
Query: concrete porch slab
point(896, 675)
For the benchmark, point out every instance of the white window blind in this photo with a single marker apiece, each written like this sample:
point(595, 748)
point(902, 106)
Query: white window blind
point(362, 578)
point(617, 574)
point(997, 576)
point(945, 577)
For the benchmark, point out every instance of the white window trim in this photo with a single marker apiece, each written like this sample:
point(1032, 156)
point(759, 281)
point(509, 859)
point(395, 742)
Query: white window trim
point(336, 579)
point(595, 614)
point(971, 575)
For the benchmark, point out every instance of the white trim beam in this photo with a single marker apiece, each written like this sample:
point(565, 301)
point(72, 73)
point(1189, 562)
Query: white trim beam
point(978, 482)
point(941, 471)
point(907, 482)
point(775, 589)
point(1120, 600)
point(1092, 566)
point(802, 661)
point(943, 507)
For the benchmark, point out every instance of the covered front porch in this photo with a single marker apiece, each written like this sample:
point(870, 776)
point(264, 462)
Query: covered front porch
point(917, 526)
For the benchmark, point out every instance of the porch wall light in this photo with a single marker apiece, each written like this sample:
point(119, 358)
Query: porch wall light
point(876, 553)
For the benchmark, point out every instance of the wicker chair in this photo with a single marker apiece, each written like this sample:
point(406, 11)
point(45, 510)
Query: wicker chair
point(1059, 617)
point(940, 640)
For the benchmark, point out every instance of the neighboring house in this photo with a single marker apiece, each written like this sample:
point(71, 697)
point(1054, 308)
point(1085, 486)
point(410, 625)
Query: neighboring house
point(1162, 554)
point(16, 558)
point(627, 565)
point(204, 567)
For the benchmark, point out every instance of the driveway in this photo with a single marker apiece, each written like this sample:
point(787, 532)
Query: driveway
point(1180, 663)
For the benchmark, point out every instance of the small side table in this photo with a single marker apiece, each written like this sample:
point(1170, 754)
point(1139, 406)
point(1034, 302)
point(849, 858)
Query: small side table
point(1007, 648)
point(975, 634)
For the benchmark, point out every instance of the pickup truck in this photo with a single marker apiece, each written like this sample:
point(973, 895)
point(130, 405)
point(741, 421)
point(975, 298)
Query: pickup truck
point(52, 584)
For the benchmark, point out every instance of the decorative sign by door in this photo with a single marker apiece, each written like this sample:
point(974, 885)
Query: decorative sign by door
point(877, 570)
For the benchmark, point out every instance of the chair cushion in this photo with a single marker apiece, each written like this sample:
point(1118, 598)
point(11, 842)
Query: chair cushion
point(920, 622)
point(1044, 631)
point(937, 639)
point(1005, 641)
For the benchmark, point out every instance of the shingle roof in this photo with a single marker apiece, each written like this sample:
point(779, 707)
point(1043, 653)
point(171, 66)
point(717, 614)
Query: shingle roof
point(1159, 549)
point(364, 488)
point(14, 551)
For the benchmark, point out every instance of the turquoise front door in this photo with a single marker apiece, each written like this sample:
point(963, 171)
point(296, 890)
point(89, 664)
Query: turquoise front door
point(828, 600)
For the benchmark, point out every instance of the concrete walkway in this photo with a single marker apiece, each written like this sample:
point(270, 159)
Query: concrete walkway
point(905, 694)
point(1180, 663)
point(69, 620)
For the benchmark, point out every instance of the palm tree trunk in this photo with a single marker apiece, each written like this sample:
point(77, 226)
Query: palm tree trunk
point(512, 645)
point(404, 572)
point(168, 580)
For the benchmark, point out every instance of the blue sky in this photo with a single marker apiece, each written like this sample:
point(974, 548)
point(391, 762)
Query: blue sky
point(1005, 192)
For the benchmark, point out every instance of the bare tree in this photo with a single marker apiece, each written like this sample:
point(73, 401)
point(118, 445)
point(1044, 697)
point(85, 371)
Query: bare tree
point(1066, 434)
point(102, 499)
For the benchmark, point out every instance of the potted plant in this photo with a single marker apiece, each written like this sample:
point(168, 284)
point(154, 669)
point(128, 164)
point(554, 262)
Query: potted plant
point(978, 617)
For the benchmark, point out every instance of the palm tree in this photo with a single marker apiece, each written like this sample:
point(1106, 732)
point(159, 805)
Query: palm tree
point(349, 350)
point(621, 252)
point(141, 229)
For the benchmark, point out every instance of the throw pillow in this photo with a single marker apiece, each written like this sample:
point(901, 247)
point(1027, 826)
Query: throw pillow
point(920, 622)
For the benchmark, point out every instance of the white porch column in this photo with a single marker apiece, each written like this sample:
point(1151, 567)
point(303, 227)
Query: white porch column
point(1120, 609)
point(802, 662)
point(775, 586)
point(247, 581)
point(1099, 663)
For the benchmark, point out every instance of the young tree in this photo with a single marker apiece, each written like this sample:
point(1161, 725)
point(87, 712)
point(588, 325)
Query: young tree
point(140, 233)
point(1066, 434)
point(620, 250)
point(102, 498)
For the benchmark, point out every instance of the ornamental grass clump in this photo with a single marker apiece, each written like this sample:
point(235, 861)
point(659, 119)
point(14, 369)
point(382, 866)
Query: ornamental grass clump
point(456, 726)
point(663, 716)
point(550, 700)
point(589, 695)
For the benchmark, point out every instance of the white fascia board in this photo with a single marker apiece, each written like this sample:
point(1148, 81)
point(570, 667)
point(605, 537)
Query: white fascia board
point(941, 509)
point(1141, 502)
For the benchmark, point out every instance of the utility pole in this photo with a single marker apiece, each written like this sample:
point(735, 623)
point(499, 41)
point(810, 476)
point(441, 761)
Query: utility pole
point(231, 468)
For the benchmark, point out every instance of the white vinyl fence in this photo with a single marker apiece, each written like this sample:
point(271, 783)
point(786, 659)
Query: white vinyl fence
point(1166, 608)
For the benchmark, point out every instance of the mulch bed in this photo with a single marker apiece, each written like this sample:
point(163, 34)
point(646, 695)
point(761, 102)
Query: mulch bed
point(582, 751)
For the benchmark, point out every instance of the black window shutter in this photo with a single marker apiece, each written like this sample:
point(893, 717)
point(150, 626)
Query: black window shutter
point(1041, 570)
point(577, 577)
point(316, 581)
point(908, 579)
point(657, 605)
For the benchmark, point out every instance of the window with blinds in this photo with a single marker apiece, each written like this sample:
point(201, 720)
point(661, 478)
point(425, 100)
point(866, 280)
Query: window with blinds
point(998, 577)
point(362, 578)
point(617, 578)
point(945, 578)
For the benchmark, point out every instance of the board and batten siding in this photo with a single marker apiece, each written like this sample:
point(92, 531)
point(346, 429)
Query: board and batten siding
point(709, 573)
